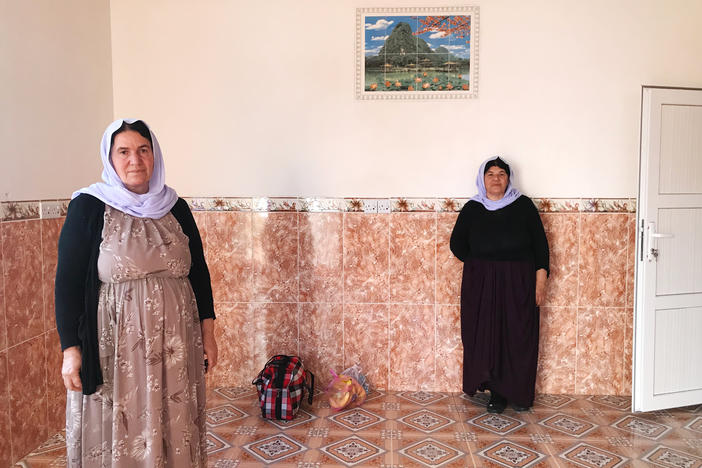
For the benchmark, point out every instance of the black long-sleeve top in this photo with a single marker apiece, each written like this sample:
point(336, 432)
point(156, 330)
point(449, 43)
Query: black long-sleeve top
point(77, 283)
point(514, 232)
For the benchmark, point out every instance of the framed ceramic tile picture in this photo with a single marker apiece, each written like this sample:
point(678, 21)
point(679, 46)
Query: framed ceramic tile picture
point(417, 53)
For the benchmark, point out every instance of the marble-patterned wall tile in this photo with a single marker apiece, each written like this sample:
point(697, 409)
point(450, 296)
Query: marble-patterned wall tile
point(366, 341)
point(449, 349)
point(5, 433)
point(628, 358)
point(366, 258)
point(234, 331)
point(562, 233)
point(201, 222)
point(50, 230)
point(557, 340)
point(631, 260)
point(275, 257)
point(602, 260)
point(24, 308)
point(322, 340)
point(55, 390)
point(229, 248)
point(275, 332)
point(412, 347)
point(321, 257)
point(3, 326)
point(598, 368)
point(412, 257)
point(27, 379)
point(449, 269)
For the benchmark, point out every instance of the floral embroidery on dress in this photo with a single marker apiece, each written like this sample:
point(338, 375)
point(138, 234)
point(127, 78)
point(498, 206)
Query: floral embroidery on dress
point(150, 410)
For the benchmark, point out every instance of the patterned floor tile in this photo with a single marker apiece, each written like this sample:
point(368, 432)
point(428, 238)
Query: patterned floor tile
point(511, 454)
point(235, 393)
point(695, 425)
point(356, 419)
point(497, 423)
point(215, 443)
point(552, 401)
point(479, 399)
point(426, 421)
point(274, 448)
point(224, 414)
point(302, 417)
point(353, 451)
point(430, 452)
point(422, 398)
point(593, 457)
point(226, 463)
point(56, 442)
point(642, 427)
point(691, 409)
point(670, 458)
point(419, 429)
point(374, 394)
point(617, 402)
point(567, 424)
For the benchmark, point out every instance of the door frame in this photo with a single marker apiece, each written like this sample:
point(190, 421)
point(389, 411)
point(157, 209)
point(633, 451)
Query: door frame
point(637, 381)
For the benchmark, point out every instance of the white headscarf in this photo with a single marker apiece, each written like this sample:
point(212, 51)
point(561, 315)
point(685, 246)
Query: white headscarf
point(155, 203)
point(511, 193)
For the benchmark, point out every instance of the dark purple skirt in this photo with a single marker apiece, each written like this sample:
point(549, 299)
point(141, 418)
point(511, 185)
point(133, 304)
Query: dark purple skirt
point(500, 328)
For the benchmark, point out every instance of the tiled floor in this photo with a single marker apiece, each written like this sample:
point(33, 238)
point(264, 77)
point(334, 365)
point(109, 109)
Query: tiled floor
point(412, 429)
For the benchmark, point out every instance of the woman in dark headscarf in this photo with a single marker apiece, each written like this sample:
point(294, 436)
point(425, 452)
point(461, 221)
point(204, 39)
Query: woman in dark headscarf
point(499, 237)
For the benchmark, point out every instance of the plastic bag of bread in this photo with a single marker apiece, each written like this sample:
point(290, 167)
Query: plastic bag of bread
point(345, 390)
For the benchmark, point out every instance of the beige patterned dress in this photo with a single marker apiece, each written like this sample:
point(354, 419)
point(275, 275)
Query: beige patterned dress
point(150, 410)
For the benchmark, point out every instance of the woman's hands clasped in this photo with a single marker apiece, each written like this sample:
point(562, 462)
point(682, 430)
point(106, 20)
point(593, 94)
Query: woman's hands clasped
point(70, 369)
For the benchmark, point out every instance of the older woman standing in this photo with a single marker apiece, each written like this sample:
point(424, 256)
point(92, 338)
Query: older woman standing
point(134, 313)
point(499, 237)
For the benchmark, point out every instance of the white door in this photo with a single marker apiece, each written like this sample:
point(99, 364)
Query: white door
point(668, 314)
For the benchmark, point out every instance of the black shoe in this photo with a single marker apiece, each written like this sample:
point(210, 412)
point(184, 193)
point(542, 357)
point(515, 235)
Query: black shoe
point(497, 403)
point(520, 409)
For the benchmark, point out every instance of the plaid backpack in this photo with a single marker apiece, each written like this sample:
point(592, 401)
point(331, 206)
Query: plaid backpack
point(281, 387)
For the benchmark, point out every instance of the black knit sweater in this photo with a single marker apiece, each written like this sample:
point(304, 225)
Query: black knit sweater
point(77, 283)
point(514, 232)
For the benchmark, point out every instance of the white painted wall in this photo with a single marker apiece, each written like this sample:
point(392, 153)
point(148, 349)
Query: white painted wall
point(55, 95)
point(257, 98)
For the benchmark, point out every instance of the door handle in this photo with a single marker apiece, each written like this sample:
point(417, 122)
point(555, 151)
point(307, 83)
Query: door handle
point(660, 235)
point(652, 247)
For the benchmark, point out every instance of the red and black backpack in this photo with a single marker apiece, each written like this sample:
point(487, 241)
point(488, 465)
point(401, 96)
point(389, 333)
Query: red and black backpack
point(281, 387)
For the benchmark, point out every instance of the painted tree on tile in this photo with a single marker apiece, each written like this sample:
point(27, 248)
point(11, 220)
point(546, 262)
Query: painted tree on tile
point(456, 25)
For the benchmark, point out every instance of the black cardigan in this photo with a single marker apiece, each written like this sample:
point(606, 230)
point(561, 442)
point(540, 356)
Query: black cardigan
point(77, 283)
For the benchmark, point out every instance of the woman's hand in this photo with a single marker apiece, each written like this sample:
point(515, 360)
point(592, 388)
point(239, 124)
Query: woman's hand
point(208, 342)
point(540, 286)
point(70, 369)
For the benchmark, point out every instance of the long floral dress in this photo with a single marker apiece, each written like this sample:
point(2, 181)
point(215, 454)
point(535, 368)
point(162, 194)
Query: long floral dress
point(150, 410)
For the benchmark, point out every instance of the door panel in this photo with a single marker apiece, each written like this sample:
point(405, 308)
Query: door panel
point(677, 351)
point(668, 288)
point(681, 148)
point(679, 269)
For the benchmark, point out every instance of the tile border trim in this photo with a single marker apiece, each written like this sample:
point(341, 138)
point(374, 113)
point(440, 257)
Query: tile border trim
point(47, 209)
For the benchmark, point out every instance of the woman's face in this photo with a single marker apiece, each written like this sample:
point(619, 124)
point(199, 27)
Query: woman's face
point(496, 180)
point(133, 160)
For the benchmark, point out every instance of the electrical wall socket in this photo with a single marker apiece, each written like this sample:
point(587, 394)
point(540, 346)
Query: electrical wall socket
point(50, 209)
point(384, 205)
point(370, 206)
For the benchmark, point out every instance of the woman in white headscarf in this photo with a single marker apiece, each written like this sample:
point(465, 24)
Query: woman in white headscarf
point(499, 237)
point(134, 312)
